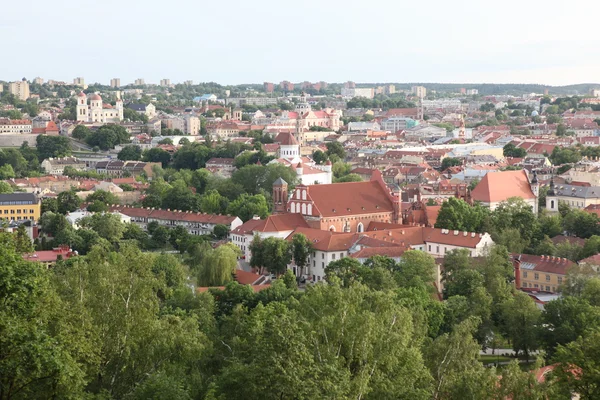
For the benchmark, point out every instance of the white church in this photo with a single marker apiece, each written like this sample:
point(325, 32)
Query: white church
point(308, 172)
point(96, 111)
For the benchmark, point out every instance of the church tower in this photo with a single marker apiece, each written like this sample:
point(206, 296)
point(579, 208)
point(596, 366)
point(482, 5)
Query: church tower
point(119, 107)
point(280, 196)
point(535, 188)
point(82, 108)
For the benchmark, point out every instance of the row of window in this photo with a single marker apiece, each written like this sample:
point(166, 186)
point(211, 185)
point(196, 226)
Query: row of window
point(541, 287)
point(536, 276)
point(18, 211)
point(18, 218)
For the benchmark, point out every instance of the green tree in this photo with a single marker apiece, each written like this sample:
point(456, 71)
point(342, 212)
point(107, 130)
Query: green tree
point(213, 203)
point(7, 172)
point(276, 255)
point(221, 231)
point(81, 132)
point(336, 148)
point(108, 226)
point(108, 136)
point(52, 146)
point(68, 202)
point(448, 162)
point(218, 266)
point(521, 317)
point(246, 207)
point(577, 369)
point(103, 196)
point(133, 153)
point(510, 150)
point(301, 249)
point(157, 155)
point(456, 214)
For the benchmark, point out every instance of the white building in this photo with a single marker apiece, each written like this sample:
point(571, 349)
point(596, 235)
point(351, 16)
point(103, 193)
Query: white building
point(369, 93)
point(96, 111)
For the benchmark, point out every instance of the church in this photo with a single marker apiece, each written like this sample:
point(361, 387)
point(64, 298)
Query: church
point(96, 111)
point(340, 207)
point(308, 172)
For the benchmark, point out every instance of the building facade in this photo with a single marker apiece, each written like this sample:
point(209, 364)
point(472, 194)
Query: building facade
point(96, 111)
point(20, 207)
point(20, 89)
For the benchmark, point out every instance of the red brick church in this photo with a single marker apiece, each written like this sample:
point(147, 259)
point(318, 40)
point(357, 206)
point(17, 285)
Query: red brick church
point(340, 207)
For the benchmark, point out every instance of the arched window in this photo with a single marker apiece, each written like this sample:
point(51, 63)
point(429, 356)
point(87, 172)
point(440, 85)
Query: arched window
point(293, 208)
point(360, 227)
point(309, 209)
point(304, 195)
point(332, 228)
point(303, 208)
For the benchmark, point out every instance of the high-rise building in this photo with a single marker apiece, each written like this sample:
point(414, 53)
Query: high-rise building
point(192, 125)
point(79, 81)
point(115, 82)
point(38, 80)
point(286, 86)
point(349, 85)
point(269, 87)
point(165, 82)
point(390, 89)
point(20, 89)
point(419, 91)
point(139, 82)
point(189, 83)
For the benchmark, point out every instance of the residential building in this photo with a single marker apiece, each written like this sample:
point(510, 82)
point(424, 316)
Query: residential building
point(196, 223)
point(56, 166)
point(174, 122)
point(389, 89)
point(20, 206)
point(96, 111)
point(148, 110)
point(20, 89)
point(277, 225)
point(540, 273)
point(139, 82)
point(188, 82)
point(419, 91)
point(79, 81)
point(496, 187)
point(286, 86)
point(37, 80)
point(396, 124)
point(115, 82)
point(224, 166)
point(471, 92)
point(307, 171)
point(50, 257)
point(191, 125)
point(165, 82)
point(363, 126)
point(118, 168)
point(15, 126)
point(368, 93)
point(253, 101)
point(268, 87)
point(205, 98)
point(575, 196)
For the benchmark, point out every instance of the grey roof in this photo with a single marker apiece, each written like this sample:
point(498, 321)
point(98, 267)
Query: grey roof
point(18, 198)
point(280, 181)
point(137, 107)
point(580, 192)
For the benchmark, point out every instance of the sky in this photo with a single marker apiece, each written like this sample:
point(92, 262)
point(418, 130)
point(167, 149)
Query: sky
point(553, 42)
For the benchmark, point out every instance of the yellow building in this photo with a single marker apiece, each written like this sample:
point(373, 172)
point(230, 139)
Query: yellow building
point(540, 273)
point(20, 207)
point(20, 89)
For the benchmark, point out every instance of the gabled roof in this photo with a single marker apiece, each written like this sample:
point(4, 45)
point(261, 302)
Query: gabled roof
point(326, 240)
point(286, 139)
point(502, 185)
point(350, 198)
point(550, 264)
point(273, 223)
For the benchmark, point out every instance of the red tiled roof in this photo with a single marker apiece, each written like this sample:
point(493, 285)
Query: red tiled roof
point(500, 186)
point(273, 223)
point(393, 252)
point(286, 139)
point(326, 240)
point(550, 264)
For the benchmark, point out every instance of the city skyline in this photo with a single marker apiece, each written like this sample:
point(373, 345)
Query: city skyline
point(442, 43)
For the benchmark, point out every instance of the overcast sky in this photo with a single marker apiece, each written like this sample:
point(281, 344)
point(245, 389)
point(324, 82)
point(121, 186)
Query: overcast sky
point(239, 41)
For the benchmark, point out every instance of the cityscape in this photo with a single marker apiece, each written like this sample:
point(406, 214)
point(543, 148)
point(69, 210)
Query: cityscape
point(283, 201)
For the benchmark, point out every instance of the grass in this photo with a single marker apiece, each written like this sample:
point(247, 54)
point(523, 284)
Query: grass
point(488, 359)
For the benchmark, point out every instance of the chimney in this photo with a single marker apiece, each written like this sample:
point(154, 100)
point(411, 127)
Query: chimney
point(455, 233)
point(517, 266)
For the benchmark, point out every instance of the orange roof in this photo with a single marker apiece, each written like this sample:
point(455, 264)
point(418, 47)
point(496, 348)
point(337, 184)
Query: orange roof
point(273, 223)
point(51, 127)
point(256, 288)
point(326, 240)
point(349, 198)
point(393, 252)
point(550, 264)
point(502, 185)
point(286, 139)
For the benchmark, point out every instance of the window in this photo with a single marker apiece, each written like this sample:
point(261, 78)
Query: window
point(341, 255)
point(536, 285)
point(429, 247)
point(547, 288)
point(524, 274)
point(322, 256)
point(547, 277)
point(323, 265)
point(560, 280)
point(333, 256)
point(437, 249)
point(536, 276)
point(12, 211)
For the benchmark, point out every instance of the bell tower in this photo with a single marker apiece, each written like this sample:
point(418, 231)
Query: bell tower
point(280, 196)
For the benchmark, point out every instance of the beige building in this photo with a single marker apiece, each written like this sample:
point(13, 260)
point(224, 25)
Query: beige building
point(115, 82)
point(419, 91)
point(20, 89)
point(575, 196)
point(165, 82)
point(39, 81)
point(139, 82)
point(174, 123)
point(79, 81)
point(15, 126)
point(192, 125)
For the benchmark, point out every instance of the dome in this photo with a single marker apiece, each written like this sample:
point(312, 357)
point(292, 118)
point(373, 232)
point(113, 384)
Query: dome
point(95, 97)
point(81, 94)
point(328, 162)
point(534, 113)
